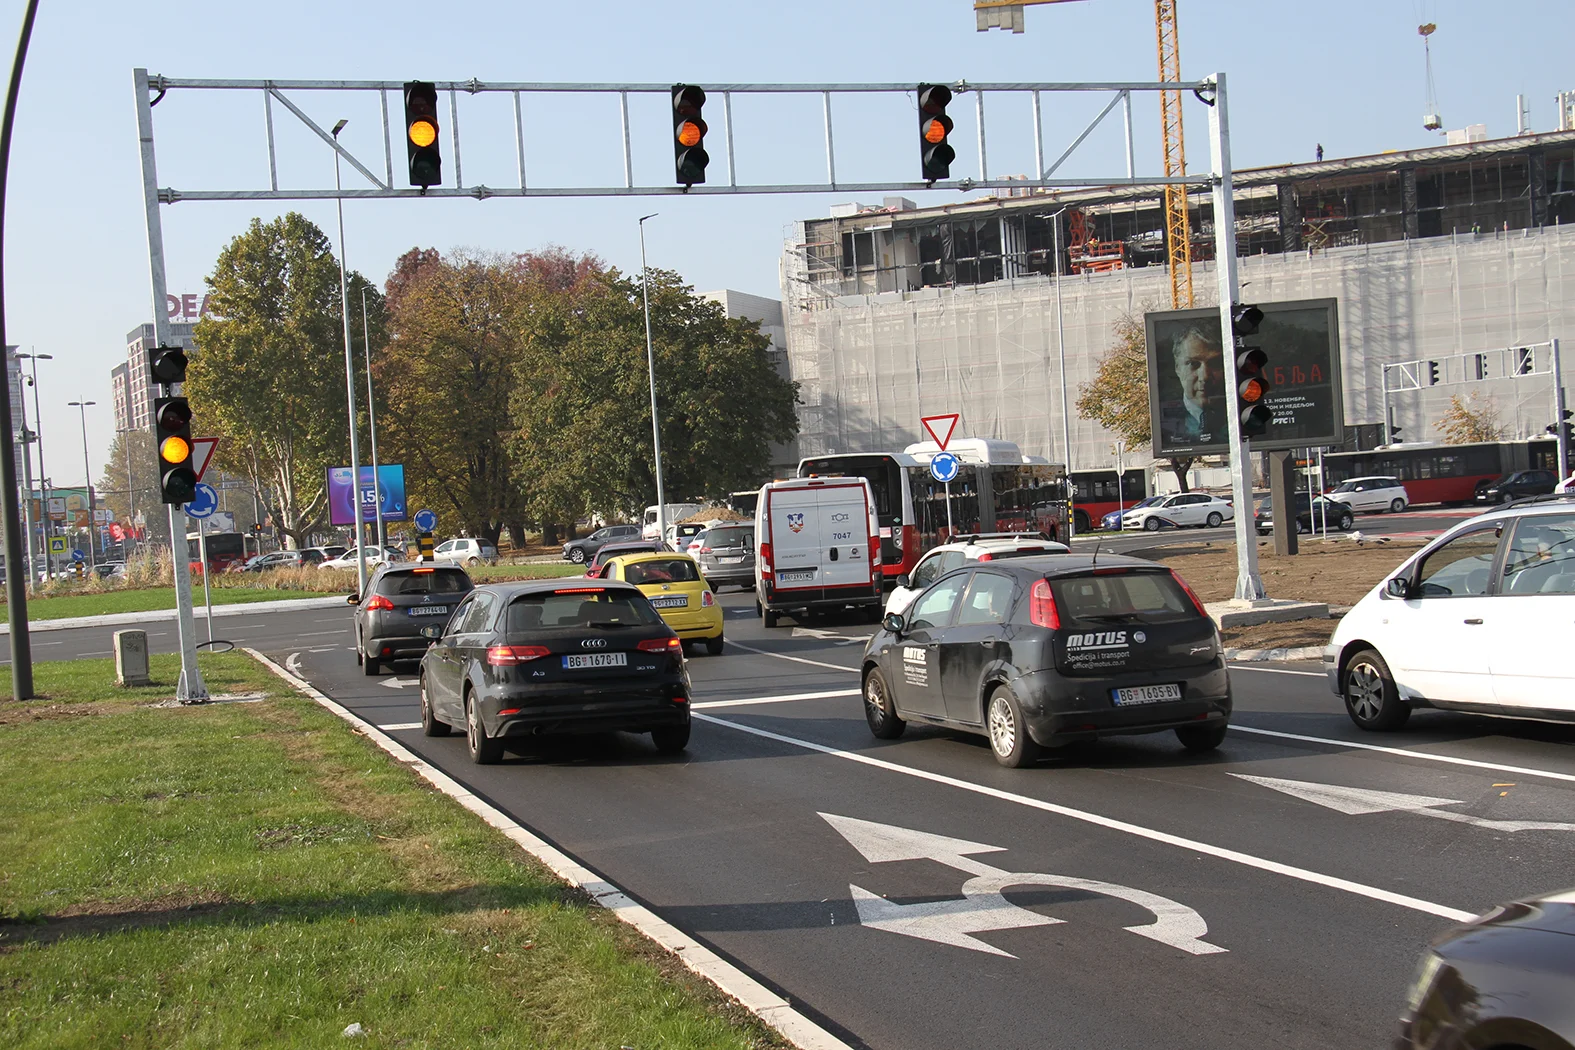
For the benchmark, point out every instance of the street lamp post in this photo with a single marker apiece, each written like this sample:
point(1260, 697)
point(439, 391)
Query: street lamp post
point(87, 470)
point(371, 418)
point(650, 362)
point(43, 489)
point(355, 444)
point(28, 438)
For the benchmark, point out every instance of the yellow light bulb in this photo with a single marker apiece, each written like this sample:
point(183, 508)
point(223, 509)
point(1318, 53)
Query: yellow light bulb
point(423, 133)
point(689, 133)
point(175, 449)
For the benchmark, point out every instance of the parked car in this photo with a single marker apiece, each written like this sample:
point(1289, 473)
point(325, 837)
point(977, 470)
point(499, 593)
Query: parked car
point(818, 542)
point(1181, 510)
point(727, 555)
point(1112, 520)
point(613, 550)
point(317, 555)
point(554, 656)
point(466, 551)
point(273, 560)
point(107, 570)
point(1041, 651)
point(1477, 620)
point(948, 556)
point(1518, 485)
point(680, 535)
point(399, 600)
point(583, 550)
point(677, 591)
point(374, 556)
point(1312, 515)
point(1502, 979)
point(1377, 493)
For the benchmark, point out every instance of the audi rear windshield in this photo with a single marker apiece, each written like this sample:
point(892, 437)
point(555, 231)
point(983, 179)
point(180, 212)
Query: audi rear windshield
point(1128, 597)
point(424, 581)
point(579, 608)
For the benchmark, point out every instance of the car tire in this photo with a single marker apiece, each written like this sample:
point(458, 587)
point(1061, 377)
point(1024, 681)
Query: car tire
point(1371, 698)
point(1396, 506)
point(1300, 528)
point(1214, 519)
point(880, 711)
point(472, 562)
point(714, 646)
point(577, 556)
point(1151, 525)
point(430, 724)
point(484, 750)
point(369, 666)
point(1346, 521)
point(1201, 738)
point(1009, 740)
point(670, 740)
point(770, 616)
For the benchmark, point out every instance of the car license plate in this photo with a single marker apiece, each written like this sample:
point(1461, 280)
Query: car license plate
point(1145, 694)
point(675, 602)
point(796, 577)
point(429, 610)
point(581, 661)
point(730, 561)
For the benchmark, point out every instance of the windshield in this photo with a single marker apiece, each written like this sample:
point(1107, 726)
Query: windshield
point(1147, 501)
point(580, 607)
point(424, 581)
point(1344, 486)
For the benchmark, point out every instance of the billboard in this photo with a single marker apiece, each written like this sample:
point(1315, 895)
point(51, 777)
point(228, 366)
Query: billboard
point(1188, 402)
point(389, 491)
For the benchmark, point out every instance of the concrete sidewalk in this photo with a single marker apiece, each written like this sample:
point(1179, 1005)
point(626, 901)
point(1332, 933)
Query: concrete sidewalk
point(156, 615)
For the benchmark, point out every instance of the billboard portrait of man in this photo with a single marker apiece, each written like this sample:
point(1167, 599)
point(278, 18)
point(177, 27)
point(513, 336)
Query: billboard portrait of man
point(1186, 368)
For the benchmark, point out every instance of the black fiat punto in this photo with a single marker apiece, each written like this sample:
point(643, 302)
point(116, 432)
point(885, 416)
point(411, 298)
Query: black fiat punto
point(1039, 652)
point(554, 656)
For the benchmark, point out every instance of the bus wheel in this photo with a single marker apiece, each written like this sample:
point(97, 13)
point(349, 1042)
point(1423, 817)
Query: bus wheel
point(1080, 520)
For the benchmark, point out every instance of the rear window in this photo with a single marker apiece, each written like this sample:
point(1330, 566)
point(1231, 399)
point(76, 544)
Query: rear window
point(667, 570)
point(1132, 597)
point(580, 608)
point(1023, 552)
point(730, 537)
point(414, 581)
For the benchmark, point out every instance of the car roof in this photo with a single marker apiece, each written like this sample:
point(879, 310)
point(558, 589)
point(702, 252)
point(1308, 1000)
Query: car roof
point(1045, 565)
point(514, 588)
point(637, 557)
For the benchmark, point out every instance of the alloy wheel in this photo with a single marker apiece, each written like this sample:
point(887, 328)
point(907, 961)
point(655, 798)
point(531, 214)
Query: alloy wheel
point(1364, 690)
point(1003, 728)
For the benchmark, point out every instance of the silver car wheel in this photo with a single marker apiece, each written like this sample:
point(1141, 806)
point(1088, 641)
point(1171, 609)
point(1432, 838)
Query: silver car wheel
point(1364, 690)
point(472, 729)
point(1003, 727)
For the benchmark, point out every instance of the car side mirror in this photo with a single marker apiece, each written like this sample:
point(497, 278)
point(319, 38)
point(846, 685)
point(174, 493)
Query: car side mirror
point(431, 632)
point(352, 599)
point(894, 623)
point(904, 580)
point(1399, 587)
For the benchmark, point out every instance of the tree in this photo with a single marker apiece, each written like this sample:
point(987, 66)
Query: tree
point(268, 378)
point(1117, 397)
point(143, 488)
point(1469, 420)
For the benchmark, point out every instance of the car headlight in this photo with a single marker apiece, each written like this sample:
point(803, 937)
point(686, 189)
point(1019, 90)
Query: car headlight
point(1426, 971)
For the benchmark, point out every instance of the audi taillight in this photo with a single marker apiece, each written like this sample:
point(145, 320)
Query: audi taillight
point(661, 645)
point(1041, 606)
point(1196, 601)
point(514, 655)
point(378, 603)
point(707, 599)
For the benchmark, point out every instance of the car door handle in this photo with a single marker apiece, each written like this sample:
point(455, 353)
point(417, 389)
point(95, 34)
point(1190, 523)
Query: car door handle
point(1476, 621)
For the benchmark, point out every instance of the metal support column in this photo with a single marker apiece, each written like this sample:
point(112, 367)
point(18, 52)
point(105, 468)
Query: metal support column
point(1559, 409)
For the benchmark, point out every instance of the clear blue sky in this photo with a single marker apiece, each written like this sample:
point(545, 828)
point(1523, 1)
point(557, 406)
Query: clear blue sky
point(1346, 73)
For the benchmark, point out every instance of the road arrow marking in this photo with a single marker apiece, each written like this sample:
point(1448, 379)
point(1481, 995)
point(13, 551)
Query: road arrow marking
point(983, 907)
point(827, 636)
point(1360, 801)
point(397, 683)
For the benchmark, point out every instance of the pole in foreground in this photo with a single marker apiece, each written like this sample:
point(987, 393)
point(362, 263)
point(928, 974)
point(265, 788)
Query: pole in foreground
point(87, 473)
point(371, 418)
point(650, 361)
point(355, 444)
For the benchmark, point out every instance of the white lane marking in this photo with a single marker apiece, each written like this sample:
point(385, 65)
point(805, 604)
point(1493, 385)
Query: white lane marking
point(323, 649)
point(1234, 856)
point(1360, 801)
point(759, 1000)
point(37, 644)
point(396, 727)
point(983, 907)
point(795, 659)
point(105, 652)
point(1277, 670)
point(828, 694)
point(1406, 753)
point(829, 636)
point(293, 664)
point(398, 683)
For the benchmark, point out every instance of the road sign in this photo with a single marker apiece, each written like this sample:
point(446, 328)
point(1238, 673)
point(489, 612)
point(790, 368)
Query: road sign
point(941, 427)
point(78, 555)
point(202, 454)
point(203, 504)
point(57, 545)
point(944, 467)
point(426, 521)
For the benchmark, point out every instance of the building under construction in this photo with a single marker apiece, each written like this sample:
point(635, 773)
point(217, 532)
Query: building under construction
point(897, 311)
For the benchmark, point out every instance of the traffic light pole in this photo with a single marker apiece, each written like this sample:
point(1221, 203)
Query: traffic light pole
point(1562, 432)
point(1249, 585)
point(191, 688)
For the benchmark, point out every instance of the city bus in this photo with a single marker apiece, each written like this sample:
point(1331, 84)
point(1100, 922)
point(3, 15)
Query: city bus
point(1443, 473)
point(997, 489)
point(1096, 493)
point(224, 550)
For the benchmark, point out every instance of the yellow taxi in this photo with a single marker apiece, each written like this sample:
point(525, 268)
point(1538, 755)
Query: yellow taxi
point(677, 592)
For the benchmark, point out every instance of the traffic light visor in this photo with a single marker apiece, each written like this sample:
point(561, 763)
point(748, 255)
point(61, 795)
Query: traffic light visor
point(687, 100)
point(934, 99)
point(175, 415)
point(167, 364)
point(423, 133)
point(690, 133)
point(175, 449)
point(1246, 319)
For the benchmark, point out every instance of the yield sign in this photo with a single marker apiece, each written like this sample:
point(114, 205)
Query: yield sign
point(940, 428)
point(201, 454)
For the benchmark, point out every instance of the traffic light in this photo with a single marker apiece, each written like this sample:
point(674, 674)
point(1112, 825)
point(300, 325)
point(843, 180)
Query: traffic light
point(1525, 360)
point(172, 437)
point(421, 134)
point(167, 365)
point(1565, 425)
point(1432, 373)
point(935, 153)
point(689, 155)
point(1252, 385)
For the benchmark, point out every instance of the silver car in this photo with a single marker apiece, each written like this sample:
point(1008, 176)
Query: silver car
point(727, 555)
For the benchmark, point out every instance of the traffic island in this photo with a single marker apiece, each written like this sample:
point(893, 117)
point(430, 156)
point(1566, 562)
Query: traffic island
point(1265, 610)
point(258, 874)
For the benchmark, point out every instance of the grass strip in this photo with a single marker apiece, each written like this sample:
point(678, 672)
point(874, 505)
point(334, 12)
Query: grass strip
point(256, 874)
point(148, 599)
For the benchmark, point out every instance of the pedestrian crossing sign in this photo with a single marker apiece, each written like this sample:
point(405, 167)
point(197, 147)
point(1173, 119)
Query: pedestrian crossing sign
point(57, 545)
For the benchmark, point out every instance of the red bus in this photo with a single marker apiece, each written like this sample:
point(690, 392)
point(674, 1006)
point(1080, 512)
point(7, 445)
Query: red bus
point(224, 550)
point(1443, 473)
point(997, 489)
point(1096, 493)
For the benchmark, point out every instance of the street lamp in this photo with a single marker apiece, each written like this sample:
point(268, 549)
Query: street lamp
point(43, 501)
point(371, 418)
point(355, 445)
point(87, 470)
point(650, 362)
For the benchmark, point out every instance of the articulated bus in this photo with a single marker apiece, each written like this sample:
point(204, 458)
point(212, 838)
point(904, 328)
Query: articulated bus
point(1443, 473)
point(224, 550)
point(1096, 493)
point(997, 489)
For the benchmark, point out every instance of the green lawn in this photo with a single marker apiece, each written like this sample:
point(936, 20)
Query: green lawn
point(498, 573)
point(256, 874)
point(145, 600)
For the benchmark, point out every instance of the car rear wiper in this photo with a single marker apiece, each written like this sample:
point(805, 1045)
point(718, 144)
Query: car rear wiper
point(1112, 617)
point(608, 623)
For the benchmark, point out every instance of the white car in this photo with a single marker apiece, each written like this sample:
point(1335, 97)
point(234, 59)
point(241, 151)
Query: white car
point(348, 559)
point(948, 556)
point(1567, 485)
point(1182, 510)
point(465, 551)
point(1478, 620)
point(1378, 493)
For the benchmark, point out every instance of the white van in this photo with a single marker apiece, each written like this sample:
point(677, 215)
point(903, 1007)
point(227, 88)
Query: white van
point(675, 512)
point(817, 546)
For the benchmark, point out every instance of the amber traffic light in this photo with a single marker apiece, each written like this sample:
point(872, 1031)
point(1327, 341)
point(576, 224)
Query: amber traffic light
point(689, 155)
point(935, 153)
point(421, 134)
point(172, 437)
point(1252, 384)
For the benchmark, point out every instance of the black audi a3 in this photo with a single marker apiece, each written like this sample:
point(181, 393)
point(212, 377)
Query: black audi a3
point(1038, 652)
point(554, 656)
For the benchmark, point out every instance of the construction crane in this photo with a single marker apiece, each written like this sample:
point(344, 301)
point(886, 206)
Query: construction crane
point(1008, 14)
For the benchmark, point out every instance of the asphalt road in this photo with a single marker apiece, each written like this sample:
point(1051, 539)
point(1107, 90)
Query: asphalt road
point(912, 894)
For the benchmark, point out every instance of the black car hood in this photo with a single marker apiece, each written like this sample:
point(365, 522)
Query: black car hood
point(1553, 913)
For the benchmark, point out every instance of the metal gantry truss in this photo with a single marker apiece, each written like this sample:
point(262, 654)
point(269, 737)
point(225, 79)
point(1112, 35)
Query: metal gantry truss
point(153, 89)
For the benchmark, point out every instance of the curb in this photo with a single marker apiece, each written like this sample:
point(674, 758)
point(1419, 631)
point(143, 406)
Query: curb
point(1304, 652)
point(155, 615)
point(759, 1000)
